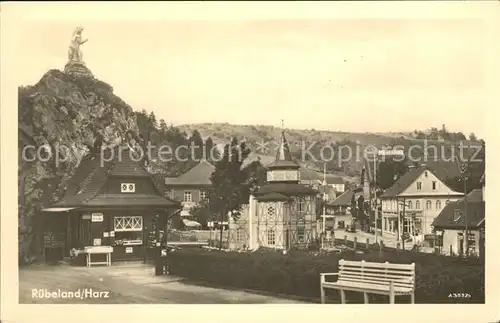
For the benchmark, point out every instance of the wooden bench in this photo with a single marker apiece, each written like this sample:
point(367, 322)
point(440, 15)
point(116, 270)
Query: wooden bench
point(107, 250)
point(371, 278)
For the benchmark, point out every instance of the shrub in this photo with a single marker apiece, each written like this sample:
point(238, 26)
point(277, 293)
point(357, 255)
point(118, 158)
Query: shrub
point(297, 273)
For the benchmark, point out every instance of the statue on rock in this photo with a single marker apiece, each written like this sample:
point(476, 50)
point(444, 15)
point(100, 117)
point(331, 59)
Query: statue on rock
point(75, 65)
point(75, 53)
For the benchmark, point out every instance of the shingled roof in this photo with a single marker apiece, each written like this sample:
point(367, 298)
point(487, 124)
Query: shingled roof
point(307, 174)
point(284, 156)
point(199, 175)
point(85, 188)
point(343, 200)
point(407, 179)
point(475, 213)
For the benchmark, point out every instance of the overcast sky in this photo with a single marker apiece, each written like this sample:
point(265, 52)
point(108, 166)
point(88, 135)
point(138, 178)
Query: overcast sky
point(358, 75)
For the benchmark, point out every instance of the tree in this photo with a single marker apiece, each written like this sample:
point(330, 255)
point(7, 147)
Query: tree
point(354, 211)
point(361, 210)
point(231, 183)
point(202, 213)
point(210, 152)
point(475, 170)
point(196, 143)
point(163, 127)
point(389, 171)
point(472, 137)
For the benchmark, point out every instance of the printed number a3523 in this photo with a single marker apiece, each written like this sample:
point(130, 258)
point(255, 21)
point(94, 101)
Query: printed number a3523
point(459, 295)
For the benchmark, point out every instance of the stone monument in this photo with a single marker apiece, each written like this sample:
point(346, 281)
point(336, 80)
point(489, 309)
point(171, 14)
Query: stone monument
point(76, 65)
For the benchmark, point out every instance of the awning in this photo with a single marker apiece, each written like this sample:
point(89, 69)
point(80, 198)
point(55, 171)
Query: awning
point(189, 223)
point(58, 209)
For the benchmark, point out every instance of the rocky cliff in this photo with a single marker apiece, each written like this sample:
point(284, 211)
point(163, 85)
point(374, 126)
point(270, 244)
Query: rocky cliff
point(61, 118)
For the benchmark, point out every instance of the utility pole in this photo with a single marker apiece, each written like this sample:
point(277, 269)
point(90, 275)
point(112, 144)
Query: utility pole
point(464, 169)
point(403, 228)
point(465, 177)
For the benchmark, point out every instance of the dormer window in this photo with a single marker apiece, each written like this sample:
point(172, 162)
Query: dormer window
point(456, 215)
point(128, 188)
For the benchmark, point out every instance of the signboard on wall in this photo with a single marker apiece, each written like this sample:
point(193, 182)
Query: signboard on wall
point(97, 217)
point(86, 217)
point(128, 250)
point(127, 187)
point(97, 242)
point(105, 234)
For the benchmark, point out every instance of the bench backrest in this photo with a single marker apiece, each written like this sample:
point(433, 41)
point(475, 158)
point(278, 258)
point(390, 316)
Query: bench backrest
point(401, 275)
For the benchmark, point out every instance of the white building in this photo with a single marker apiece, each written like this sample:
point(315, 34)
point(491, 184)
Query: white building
point(423, 196)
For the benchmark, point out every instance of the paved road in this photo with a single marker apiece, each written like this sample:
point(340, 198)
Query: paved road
point(132, 283)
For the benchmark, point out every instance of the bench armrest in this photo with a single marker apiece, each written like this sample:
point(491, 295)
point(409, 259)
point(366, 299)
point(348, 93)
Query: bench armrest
point(322, 276)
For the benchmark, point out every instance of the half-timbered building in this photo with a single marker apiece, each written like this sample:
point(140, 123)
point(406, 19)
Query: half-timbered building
point(282, 213)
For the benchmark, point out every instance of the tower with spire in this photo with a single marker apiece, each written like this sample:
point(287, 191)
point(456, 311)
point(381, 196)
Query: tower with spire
point(284, 169)
point(282, 212)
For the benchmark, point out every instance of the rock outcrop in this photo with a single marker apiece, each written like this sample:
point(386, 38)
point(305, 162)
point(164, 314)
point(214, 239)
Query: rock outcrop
point(61, 118)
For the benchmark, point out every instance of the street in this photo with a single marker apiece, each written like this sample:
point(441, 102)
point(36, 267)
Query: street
point(123, 284)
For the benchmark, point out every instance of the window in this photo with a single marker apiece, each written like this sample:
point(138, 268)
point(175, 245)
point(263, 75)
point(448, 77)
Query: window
point(417, 205)
point(301, 207)
point(438, 205)
point(407, 225)
point(291, 176)
point(271, 211)
point(428, 204)
point(128, 230)
point(301, 235)
point(434, 185)
point(271, 237)
point(426, 174)
point(203, 195)
point(419, 185)
point(127, 187)
point(188, 197)
point(410, 206)
point(279, 175)
point(456, 215)
point(240, 235)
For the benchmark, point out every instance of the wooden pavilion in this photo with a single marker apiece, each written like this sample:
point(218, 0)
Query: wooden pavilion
point(111, 201)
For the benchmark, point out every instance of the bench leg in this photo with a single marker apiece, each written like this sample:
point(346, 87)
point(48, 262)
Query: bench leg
point(323, 296)
point(391, 298)
point(366, 298)
point(413, 297)
point(342, 296)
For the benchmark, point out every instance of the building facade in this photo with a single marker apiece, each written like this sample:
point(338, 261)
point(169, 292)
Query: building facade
point(191, 187)
point(282, 213)
point(414, 201)
point(111, 201)
point(315, 179)
point(451, 230)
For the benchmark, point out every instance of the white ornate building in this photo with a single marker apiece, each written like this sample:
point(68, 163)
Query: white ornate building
point(280, 214)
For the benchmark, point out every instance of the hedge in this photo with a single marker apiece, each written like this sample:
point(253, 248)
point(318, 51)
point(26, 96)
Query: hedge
point(297, 273)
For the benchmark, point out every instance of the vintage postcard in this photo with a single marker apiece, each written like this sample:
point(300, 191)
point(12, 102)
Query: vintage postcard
point(320, 155)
